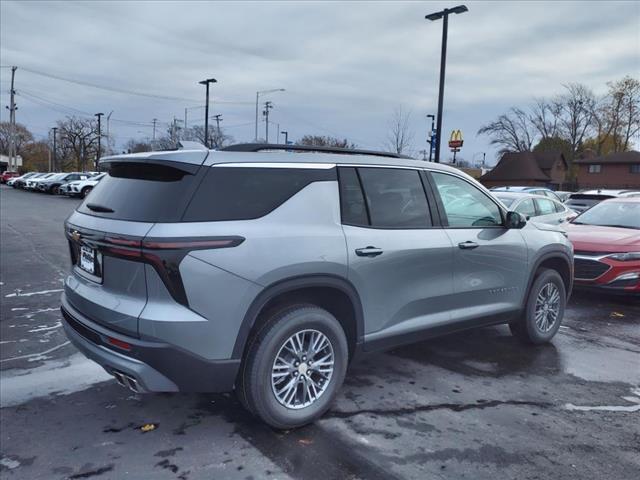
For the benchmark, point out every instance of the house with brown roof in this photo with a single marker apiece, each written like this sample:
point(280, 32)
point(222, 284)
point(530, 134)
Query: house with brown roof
point(616, 170)
point(548, 169)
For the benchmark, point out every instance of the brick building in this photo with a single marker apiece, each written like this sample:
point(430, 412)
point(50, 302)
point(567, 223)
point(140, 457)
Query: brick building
point(616, 170)
point(528, 169)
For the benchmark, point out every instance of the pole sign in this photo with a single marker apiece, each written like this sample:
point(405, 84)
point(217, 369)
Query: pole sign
point(455, 140)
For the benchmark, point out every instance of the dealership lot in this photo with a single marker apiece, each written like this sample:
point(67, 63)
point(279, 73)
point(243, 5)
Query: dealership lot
point(476, 404)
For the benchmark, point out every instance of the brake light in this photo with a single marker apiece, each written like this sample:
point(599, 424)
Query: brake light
point(119, 343)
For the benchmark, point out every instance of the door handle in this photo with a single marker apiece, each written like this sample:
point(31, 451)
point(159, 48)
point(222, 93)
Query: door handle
point(468, 245)
point(368, 251)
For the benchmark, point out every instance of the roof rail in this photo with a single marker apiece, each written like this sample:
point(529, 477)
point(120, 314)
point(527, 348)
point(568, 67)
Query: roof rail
point(258, 147)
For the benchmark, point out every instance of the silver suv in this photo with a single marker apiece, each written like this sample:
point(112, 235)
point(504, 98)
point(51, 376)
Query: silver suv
point(268, 272)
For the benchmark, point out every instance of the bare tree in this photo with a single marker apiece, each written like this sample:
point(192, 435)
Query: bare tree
point(545, 116)
point(217, 137)
point(617, 116)
point(400, 136)
point(23, 137)
point(325, 141)
point(138, 146)
point(576, 121)
point(512, 132)
point(77, 141)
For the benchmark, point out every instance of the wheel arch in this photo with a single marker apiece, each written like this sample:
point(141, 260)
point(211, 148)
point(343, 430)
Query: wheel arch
point(555, 260)
point(335, 294)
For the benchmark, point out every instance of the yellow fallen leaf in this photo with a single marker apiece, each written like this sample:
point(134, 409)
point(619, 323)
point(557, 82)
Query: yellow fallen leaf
point(616, 315)
point(305, 441)
point(147, 427)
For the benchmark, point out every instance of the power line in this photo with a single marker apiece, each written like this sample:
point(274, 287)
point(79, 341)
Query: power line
point(123, 90)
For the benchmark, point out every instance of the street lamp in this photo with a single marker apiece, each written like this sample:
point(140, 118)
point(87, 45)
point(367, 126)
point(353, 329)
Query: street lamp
point(263, 92)
point(444, 14)
point(286, 136)
point(206, 110)
point(99, 115)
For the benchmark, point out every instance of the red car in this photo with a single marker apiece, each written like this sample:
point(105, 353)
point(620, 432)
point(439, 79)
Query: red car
point(606, 242)
point(4, 176)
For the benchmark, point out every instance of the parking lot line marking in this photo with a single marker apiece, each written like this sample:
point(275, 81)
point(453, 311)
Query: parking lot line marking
point(31, 355)
point(28, 294)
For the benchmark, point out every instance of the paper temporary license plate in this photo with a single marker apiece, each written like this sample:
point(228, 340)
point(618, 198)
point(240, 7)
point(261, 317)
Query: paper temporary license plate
point(88, 260)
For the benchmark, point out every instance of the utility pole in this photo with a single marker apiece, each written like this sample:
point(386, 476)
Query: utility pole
point(444, 14)
point(55, 160)
point(155, 120)
point(218, 118)
point(267, 106)
point(108, 149)
point(263, 92)
point(185, 118)
point(286, 137)
point(206, 110)
point(12, 125)
point(99, 115)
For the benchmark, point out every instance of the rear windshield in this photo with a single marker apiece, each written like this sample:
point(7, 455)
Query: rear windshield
point(589, 196)
point(144, 193)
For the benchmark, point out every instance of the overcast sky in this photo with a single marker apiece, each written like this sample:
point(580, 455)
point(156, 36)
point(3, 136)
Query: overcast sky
point(345, 66)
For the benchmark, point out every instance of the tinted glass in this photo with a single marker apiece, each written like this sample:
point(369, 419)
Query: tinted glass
point(395, 197)
point(229, 193)
point(354, 211)
point(144, 193)
point(464, 204)
point(545, 206)
point(527, 208)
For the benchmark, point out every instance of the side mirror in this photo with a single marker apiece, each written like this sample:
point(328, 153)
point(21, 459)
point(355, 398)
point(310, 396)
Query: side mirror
point(515, 220)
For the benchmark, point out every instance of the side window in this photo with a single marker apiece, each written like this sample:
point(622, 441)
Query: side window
point(395, 198)
point(560, 208)
point(465, 205)
point(352, 207)
point(527, 208)
point(244, 193)
point(545, 206)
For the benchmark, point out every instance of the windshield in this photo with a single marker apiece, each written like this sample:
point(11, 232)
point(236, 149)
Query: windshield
point(612, 214)
point(508, 201)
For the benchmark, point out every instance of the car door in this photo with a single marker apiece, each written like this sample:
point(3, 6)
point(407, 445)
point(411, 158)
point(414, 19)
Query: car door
point(400, 260)
point(490, 260)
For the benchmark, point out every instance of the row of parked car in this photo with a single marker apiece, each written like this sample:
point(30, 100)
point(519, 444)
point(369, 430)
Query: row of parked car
point(73, 184)
point(603, 226)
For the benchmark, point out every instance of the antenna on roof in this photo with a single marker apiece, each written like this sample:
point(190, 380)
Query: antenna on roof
point(188, 145)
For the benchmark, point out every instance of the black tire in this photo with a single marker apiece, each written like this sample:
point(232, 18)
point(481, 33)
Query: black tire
point(55, 190)
point(526, 328)
point(86, 191)
point(254, 388)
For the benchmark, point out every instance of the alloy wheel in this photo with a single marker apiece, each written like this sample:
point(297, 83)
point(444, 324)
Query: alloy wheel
point(302, 369)
point(547, 307)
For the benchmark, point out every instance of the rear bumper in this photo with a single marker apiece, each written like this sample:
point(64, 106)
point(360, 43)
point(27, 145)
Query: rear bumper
point(155, 367)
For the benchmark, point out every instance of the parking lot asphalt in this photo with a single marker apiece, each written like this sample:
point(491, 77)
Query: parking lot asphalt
point(476, 404)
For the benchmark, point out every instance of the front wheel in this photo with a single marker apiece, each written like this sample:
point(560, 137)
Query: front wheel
point(294, 367)
point(86, 191)
point(544, 310)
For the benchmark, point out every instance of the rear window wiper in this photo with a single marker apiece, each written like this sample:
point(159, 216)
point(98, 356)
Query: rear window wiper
point(99, 208)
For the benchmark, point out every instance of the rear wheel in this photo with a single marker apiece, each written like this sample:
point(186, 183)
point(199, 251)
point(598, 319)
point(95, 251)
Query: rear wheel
point(86, 191)
point(544, 310)
point(55, 190)
point(294, 367)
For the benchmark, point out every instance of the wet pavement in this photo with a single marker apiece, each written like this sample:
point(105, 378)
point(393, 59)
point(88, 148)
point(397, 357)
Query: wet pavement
point(474, 405)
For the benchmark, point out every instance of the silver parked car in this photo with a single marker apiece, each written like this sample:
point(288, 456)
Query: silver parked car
point(268, 272)
point(536, 207)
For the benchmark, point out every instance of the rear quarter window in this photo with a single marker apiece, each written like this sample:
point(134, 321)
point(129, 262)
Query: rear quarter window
point(245, 193)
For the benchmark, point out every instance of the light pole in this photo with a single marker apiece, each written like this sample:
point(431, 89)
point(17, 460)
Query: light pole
point(286, 137)
point(263, 92)
point(99, 115)
point(206, 110)
point(432, 136)
point(444, 14)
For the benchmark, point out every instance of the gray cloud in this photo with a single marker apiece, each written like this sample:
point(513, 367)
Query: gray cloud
point(345, 65)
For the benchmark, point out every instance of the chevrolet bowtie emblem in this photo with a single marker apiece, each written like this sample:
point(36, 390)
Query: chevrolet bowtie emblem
point(75, 235)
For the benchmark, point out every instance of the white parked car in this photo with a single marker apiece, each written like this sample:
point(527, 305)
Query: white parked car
point(536, 207)
point(82, 188)
point(32, 183)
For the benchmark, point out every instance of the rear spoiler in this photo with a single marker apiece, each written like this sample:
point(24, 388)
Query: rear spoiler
point(186, 160)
